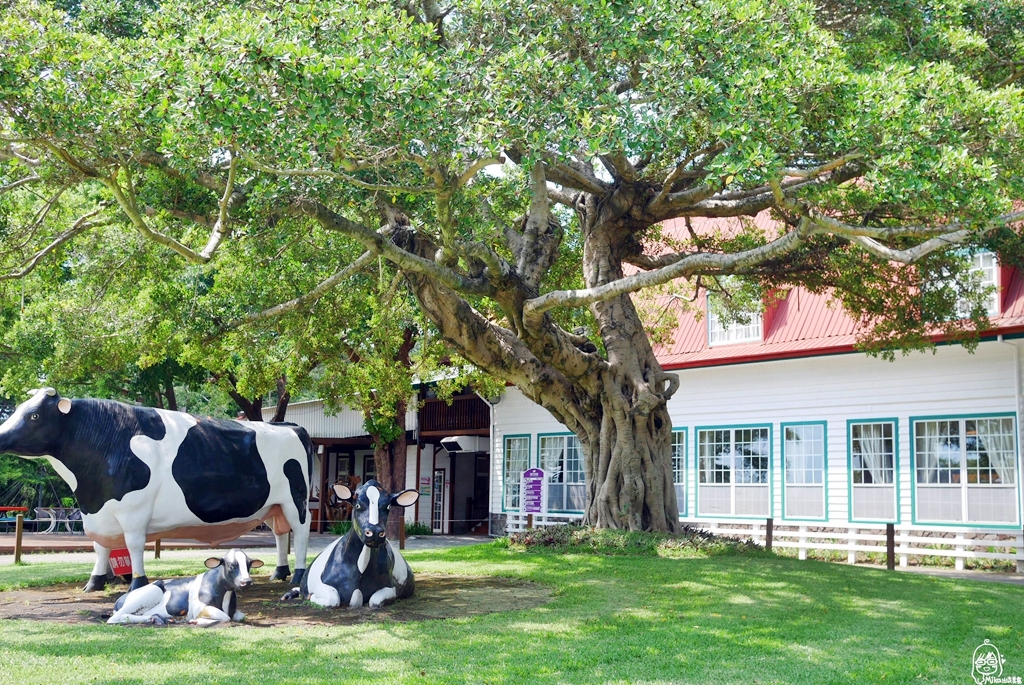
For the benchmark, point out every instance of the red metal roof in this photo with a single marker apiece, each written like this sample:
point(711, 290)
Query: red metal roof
point(801, 324)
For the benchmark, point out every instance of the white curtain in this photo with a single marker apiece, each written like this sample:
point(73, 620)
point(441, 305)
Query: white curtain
point(928, 447)
point(872, 452)
point(799, 458)
point(997, 439)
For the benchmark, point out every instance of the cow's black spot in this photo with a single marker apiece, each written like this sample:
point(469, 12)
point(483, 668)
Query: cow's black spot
point(293, 471)
point(97, 449)
point(304, 438)
point(220, 471)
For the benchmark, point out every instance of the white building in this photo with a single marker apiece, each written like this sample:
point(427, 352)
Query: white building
point(784, 420)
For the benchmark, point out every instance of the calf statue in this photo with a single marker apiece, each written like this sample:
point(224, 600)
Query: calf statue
point(361, 566)
point(141, 474)
point(209, 598)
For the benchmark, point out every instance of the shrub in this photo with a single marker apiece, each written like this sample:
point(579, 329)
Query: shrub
point(417, 528)
point(574, 538)
point(340, 527)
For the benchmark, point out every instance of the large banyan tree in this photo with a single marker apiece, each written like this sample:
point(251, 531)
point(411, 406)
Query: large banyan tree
point(514, 162)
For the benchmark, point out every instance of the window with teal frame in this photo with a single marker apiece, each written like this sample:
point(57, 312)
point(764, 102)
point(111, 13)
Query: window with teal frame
point(516, 460)
point(733, 471)
point(562, 459)
point(873, 471)
point(679, 467)
point(803, 451)
point(965, 470)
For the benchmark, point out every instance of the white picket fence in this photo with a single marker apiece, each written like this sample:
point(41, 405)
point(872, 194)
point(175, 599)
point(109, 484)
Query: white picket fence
point(958, 544)
point(515, 523)
point(955, 543)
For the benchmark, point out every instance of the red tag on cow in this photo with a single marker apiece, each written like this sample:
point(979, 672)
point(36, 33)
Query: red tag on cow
point(120, 562)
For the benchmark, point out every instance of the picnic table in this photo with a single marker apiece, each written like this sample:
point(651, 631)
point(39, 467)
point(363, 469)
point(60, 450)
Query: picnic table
point(5, 523)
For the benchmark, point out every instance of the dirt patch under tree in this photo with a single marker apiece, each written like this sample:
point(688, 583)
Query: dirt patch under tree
point(437, 596)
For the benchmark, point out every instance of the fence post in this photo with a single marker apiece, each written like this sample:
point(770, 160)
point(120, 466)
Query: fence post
point(19, 527)
point(769, 529)
point(851, 555)
point(958, 564)
point(156, 548)
point(802, 553)
point(890, 546)
point(529, 521)
point(1020, 551)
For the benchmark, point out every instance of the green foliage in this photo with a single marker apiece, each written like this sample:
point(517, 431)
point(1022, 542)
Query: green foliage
point(575, 539)
point(417, 528)
point(123, 121)
point(340, 527)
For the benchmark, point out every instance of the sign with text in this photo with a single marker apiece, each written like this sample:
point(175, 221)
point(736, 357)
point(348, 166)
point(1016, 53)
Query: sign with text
point(120, 562)
point(534, 492)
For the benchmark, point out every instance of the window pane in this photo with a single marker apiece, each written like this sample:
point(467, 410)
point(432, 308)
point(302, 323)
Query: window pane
point(805, 454)
point(678, 457)
point(715, 456)
point(517, 456)
point(719, 334)
point(751, 455)
point(573, 460)
point(552, 457)
point(937, 451)
point(991, 451)
point(872, 453)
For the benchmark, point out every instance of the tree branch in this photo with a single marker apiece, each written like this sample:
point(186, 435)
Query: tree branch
point(537, 217)
point(314, 294)
point(80, 226)
point(1015, 76)
point(327, 173)
point(683, 268)
point(220, 229)
point(380, 243)
point(20, 182)
point(128, 206)
point(575, 176)
point(474, 168)
point(562, 198)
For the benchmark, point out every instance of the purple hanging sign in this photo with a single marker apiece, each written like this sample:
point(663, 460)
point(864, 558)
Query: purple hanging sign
point(534, 492)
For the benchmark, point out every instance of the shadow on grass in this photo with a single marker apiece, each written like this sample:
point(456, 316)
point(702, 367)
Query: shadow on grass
point(614, 619)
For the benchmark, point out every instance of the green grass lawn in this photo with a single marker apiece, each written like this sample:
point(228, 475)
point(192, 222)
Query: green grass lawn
point(744, 618)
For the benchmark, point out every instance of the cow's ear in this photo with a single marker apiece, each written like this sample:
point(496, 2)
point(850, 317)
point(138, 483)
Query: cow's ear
point(255, 563)
point(213, 562)
point(342, 491)
point(64, 406)
point(406, 498)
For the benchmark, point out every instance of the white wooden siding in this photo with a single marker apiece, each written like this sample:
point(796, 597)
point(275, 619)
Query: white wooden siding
point(348, 423)
point(833, 389)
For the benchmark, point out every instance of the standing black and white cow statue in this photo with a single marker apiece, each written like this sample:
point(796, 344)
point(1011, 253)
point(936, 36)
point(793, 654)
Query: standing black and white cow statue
point(361, 567)
point(210, 597)
point(140, 474)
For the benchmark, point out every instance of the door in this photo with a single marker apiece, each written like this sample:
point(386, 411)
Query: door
point(439, 503)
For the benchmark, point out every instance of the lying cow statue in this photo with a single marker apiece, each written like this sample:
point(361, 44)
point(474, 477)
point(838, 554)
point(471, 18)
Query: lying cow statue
point(141, 474)
point(361, 566)
point(209, 598)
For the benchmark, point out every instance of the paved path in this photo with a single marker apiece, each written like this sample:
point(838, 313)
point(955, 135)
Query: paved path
point(43, 548)
point(985, 576)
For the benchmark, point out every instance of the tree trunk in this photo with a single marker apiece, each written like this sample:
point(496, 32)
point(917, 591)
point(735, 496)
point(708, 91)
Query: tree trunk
point(172, 399)
point(615, 403)
point(629, 465)
point(390, 461)
point(283, 397)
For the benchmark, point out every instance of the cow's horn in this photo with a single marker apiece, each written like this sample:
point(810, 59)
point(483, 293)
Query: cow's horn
point(51, 392)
